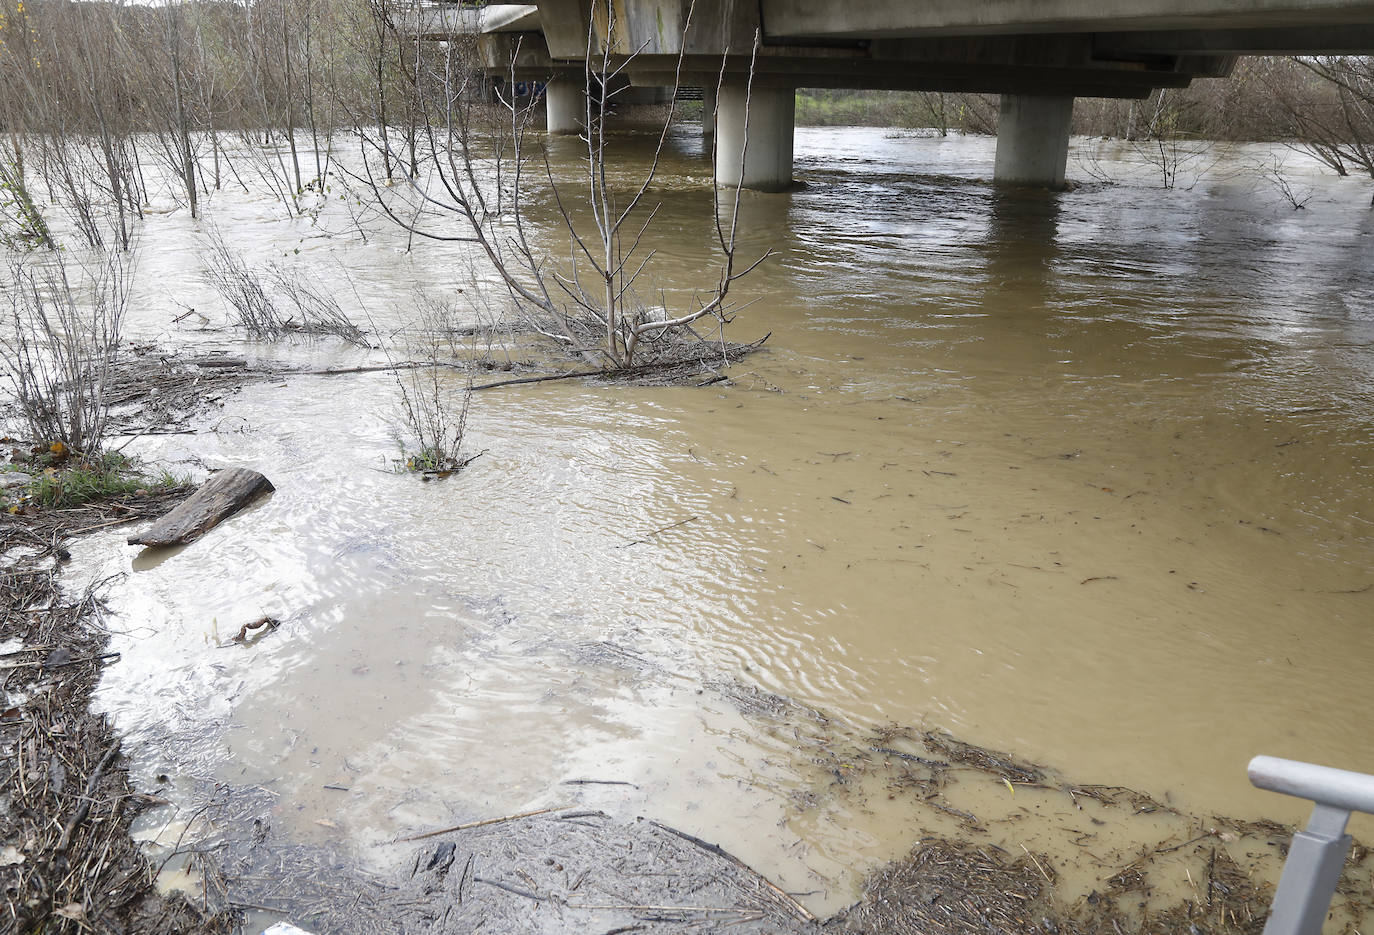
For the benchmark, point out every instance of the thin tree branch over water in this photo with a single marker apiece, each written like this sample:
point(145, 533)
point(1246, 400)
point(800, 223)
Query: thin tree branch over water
point(478, 171)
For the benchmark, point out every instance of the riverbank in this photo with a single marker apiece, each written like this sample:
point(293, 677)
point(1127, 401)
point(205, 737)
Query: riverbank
point(67, 861)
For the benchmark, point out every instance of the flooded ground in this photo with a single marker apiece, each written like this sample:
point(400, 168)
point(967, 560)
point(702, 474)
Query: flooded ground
point(1083, 476)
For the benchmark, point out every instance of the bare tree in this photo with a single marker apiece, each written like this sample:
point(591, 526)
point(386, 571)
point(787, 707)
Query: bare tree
point(1163, 142)
point(1333, 119)
point(59, 346)
point(600, 301)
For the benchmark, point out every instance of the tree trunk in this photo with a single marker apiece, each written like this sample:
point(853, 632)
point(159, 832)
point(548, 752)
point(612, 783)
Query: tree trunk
point(216, 500)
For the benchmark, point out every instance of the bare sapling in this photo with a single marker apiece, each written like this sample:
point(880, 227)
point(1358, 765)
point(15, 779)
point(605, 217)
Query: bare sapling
point(478, 173)
point(60, 344)
point(1179, 160)
point(433, 400)
point(22, 224)
point(1273, 173)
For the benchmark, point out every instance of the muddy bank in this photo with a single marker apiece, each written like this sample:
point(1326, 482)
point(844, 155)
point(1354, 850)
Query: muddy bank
point(992, 856)
point(1009, 846)
point(67, 862)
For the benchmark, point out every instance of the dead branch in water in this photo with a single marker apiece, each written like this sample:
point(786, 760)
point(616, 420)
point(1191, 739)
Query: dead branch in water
point(683, 366)
point(480, 824)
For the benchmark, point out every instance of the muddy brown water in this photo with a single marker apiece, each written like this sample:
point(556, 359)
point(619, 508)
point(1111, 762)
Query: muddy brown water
point(1083, 476)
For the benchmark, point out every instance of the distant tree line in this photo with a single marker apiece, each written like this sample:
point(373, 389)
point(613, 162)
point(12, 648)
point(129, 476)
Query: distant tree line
point(95, 95)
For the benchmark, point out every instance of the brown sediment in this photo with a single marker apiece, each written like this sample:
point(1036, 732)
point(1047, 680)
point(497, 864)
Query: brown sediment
point(67, 862)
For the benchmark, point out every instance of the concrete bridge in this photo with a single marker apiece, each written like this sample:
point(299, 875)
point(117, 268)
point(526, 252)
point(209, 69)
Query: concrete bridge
point(1037, 54)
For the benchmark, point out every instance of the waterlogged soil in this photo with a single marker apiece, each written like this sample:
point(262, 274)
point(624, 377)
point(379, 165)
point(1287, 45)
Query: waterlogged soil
point(1041, 855)
point(68, 862)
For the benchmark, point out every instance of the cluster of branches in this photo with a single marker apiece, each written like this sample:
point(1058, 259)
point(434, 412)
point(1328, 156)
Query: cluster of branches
point(472, 171)
point(1332, 112)
point(1323, 105)
point(102, 104)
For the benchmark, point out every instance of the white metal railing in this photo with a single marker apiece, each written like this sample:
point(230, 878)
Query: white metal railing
point(1318, 853)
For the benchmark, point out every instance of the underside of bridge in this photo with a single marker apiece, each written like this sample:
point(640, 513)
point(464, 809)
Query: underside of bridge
point(1037, 54)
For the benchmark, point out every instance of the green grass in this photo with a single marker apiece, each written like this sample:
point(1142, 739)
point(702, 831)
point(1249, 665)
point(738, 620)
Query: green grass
point(66, 484)
point(422, 461)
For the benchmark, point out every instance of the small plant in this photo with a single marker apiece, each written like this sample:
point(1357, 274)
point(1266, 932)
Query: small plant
point(432, 422)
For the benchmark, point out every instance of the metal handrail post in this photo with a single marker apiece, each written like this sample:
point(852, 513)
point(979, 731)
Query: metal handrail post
point(1317, 854)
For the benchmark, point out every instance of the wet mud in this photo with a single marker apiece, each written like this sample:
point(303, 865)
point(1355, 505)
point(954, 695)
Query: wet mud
point(1007, 845)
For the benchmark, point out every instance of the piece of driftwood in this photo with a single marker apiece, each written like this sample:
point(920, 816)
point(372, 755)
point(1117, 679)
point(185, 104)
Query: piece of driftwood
point(216, 500)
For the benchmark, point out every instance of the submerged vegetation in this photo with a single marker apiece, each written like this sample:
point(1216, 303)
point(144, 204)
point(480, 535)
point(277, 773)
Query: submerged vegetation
point(58, 347)
point(276, 302)
point(430, 429)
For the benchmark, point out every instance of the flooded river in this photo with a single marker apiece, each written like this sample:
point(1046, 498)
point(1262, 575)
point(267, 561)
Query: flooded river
point(1085, 476)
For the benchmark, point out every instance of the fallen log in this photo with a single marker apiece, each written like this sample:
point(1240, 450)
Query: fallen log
point(220, 497)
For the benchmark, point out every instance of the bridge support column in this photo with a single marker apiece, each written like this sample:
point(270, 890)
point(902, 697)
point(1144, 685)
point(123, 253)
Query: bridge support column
point(563, 106)
point(766, 164)
point(708, 111)
point(1033, 140)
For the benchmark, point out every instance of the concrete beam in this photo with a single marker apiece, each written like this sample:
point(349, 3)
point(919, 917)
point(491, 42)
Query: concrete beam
point(654, 27)
point(761, 159)
point(564, 106)
point(790, 19)
point(1112, 79)
point(440, 22)
point(708, 110)
point(1033, 140)
point(524, 53)
point(1292, 40)
point(509, 17)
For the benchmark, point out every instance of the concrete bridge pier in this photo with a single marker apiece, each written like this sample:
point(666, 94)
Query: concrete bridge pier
point(766, 164)
point(1033, 140)
point(708, 111)
point(564, 106)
